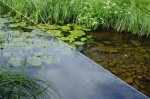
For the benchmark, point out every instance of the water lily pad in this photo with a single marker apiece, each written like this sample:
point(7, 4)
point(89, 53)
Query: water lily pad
point(53, 27)
point(72, 45)
point(10, 45)
point(17, 40)
point(77, 27)
point(64, 38)
point(14, 33)
point(39, 54)
point(22, 24)
point(89, 36)
point(13, 25)
point(11, 19)
point(48, 59)
point(78, 43)
point(2, 32)
point(6, 54)
point(56, 33)
point(86, 29)
point(4, 16)
point(17, 20)
point(15, 61)
point(28, 47)
point(66, 52)
point(59, 45)
point(76, 33)
point(70, 39)
point(4, 20)
point(83, 39)
point(46, 26)
point(36, 31)
point(21, 44)
point(65, 28)
point(29, 40)
point(34, 61)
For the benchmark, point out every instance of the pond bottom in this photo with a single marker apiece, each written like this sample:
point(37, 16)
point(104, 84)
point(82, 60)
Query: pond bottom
point(125, 55)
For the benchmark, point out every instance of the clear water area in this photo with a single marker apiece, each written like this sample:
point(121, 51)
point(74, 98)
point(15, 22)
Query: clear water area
point(75, 76)
point(123, 54)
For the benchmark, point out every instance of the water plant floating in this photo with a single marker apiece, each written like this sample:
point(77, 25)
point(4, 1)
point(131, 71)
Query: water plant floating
point(15, 61)
point(6, 54)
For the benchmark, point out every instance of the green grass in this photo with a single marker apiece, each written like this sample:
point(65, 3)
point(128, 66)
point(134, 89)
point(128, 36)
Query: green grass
point(14, 84)
point(123, 15)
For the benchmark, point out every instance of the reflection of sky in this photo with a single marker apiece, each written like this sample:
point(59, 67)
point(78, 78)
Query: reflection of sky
point(76, 76)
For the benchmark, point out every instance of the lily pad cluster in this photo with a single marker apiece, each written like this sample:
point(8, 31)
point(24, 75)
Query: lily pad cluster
point(72, 34)
point(20, 44)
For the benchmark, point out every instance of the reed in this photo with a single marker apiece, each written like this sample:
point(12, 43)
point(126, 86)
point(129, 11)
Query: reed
point(14, 84)
point(123, 15)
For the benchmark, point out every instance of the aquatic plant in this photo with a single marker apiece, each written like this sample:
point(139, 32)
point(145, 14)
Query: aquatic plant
point(15, 84)
point(123, 15)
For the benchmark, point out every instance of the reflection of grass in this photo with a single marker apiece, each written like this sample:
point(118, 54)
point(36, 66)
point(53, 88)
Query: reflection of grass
point(129, 15)
point(15, 85)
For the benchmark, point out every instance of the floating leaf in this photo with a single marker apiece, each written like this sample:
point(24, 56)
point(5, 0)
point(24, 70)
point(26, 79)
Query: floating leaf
point(6, 54)
point(78, 43)
point(21, 44)
point(89, 36)
point(56, 33)
point(10, 45)
point(4, 16)
point(48, 59)
point(4, 20)
point(72, 45)
point(70, 39)
point(17, 40)
point(76, 33)
point(28, 47)
point(39, 54)
point(17, 20)
point(22, 24)
point(36, 31)
point(59, 45)
point(29, 40)
point(83, 39)
point(77, 27)
point(53, 27)
point(34, 61)
point(86, 29)
point(65, 28)
point(2, 32)
point(14, 33)
point(15, 61)
point(13, 25)
point(11, 19)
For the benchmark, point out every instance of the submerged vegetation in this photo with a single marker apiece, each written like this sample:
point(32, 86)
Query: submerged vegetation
point(123, 15)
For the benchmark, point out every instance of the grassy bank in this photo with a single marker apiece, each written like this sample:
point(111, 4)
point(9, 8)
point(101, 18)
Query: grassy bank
point(123, 15)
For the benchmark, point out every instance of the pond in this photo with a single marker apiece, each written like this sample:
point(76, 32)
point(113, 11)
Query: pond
point(123, 54)
point(75, 76)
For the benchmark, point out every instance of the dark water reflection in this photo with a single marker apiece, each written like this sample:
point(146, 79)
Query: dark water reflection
point(75, 76)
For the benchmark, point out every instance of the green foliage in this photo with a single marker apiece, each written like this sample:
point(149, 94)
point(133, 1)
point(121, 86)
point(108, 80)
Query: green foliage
point(15, 84)
point(123, 15)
